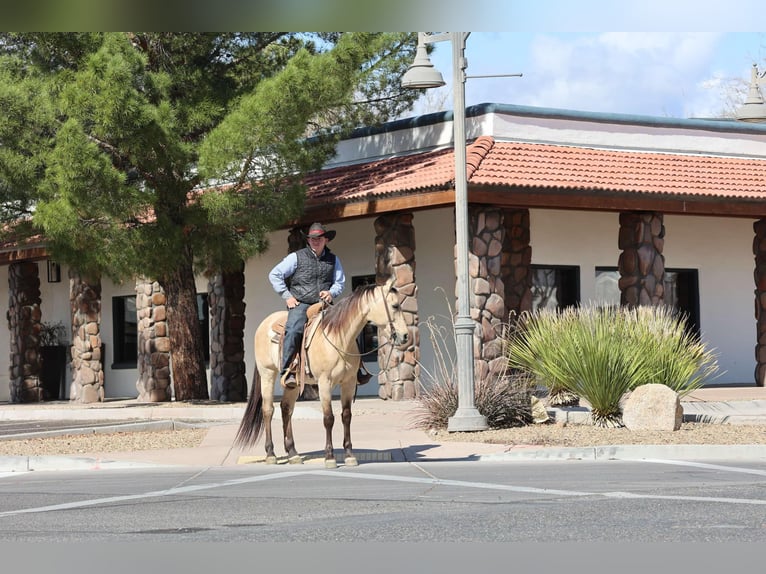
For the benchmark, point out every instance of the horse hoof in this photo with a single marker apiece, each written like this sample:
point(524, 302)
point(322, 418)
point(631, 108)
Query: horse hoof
point(330, 463)
point(351, 461)
point(295, 459)
point(271, 459)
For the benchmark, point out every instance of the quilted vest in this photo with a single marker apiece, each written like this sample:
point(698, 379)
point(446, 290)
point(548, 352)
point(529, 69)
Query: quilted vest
point(314, 274)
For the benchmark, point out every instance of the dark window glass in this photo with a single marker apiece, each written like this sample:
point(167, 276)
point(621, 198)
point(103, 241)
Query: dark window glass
point(125, 336)
point(555, 287)
point(368, 338)
point(125, 323)
point(203, 314)
point(681, 292)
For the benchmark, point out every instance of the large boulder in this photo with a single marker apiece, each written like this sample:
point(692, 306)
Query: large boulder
point(653, 407)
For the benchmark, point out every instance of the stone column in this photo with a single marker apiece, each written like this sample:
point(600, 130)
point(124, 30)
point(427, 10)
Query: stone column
point(759, 250)
point(395, 254)
point(87, 365)
point(641, 263)
point(153, 383)
point(24, 323)
point(487, 236)
point(516, 262)
point(226, 301)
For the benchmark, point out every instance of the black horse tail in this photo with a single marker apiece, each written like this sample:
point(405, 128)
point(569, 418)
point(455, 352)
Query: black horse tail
point(251, 427)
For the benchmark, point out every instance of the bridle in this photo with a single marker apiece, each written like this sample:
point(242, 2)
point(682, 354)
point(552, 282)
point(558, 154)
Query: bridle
point(391, 341)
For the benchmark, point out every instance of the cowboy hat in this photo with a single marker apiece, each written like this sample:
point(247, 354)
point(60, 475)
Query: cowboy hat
point(319, 230)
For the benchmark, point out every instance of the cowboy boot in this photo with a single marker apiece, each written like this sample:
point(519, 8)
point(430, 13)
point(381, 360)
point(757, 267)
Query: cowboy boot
point(363, 377)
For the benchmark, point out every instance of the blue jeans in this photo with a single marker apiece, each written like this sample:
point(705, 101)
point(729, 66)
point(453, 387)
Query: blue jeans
point(296, 321)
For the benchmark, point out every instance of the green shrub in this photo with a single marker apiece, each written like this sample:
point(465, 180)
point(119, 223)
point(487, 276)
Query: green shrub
point(600, 353)
point(676, 356)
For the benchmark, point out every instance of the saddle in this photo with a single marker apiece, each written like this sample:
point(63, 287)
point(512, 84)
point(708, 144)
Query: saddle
point(300, 365)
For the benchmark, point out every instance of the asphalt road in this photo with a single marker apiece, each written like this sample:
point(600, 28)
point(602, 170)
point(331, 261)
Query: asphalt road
point(574, 501)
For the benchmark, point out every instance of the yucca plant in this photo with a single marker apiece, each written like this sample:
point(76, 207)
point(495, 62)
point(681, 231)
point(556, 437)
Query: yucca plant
point(678, 358)
point(525, 337)
point(600, 353)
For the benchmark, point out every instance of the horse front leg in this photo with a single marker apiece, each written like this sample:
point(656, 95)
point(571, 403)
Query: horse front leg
point(346, 398)
point(328, 418)
point(288, 407)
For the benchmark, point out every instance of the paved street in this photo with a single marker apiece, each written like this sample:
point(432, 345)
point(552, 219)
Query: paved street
point(640, 501)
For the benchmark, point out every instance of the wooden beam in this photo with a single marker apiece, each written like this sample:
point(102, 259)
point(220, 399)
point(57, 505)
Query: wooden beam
point(23, 254)
point(378, 206)
point(611, 201)
point(540, 198)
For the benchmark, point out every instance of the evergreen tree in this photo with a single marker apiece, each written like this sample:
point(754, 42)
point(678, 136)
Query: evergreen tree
point(170, 154)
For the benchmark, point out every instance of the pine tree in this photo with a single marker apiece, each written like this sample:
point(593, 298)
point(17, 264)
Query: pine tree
point(166, 155)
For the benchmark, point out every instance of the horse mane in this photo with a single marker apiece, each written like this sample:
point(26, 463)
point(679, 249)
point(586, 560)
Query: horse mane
point(336, 317)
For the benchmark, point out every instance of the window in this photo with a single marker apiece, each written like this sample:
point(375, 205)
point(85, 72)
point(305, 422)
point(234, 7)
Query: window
point(125, 323)
point(368, 338)
point(203, 315)
point(555, 287)
point(681, 292)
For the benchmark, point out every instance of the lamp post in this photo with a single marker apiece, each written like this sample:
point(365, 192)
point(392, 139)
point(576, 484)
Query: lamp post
point(423, 75)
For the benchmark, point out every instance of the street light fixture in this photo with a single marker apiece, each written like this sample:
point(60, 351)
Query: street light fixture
point(754, 108)
point(421, 75)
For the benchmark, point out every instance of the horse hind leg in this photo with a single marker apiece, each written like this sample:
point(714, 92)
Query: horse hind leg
point(268, 440)
point(268, 415)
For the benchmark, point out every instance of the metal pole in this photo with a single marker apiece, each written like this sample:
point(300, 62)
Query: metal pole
point(467, 416)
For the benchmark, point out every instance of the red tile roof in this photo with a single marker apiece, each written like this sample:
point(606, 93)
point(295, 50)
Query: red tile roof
point(553, 167)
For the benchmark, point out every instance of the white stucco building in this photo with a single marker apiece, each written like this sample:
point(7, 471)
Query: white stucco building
point(566, 187)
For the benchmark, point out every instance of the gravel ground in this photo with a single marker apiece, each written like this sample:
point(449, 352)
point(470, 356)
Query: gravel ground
point(103, 442)
point(584, 435)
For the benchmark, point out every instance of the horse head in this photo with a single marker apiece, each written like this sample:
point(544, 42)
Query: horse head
point(389, 313)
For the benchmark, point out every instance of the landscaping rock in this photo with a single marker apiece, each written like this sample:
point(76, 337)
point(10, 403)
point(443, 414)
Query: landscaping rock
point(653, 407)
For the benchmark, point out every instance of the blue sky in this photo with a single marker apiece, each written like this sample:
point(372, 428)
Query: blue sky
point(666, 74)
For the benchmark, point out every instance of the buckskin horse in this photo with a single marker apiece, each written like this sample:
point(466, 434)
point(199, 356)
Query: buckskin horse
point(333, 358)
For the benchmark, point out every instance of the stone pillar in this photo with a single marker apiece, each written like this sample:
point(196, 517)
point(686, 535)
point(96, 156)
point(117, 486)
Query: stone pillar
point(153, 383)
point(641, 263)
point(516, 262)
point(226, 301)
point(487, 237)
point(24, 323)
point(759, 250)
point(395, 254)
point(87, 363)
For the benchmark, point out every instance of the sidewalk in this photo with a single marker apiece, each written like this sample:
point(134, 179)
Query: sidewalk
point(381, 432)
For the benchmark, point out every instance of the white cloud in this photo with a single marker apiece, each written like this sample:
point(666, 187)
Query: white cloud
point(637, 73)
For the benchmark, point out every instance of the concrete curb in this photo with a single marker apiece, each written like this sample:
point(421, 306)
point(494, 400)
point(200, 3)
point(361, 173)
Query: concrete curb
point(60, 463)
point(9, 464)
point(122, 427)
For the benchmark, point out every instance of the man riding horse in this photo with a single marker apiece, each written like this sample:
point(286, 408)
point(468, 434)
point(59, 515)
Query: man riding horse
point(302, 278)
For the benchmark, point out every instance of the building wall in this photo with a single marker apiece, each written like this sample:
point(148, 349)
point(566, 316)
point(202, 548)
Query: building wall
point(720, 248)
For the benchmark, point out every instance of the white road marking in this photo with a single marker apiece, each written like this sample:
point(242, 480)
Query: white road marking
point(706, 466)
point(379, 477)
